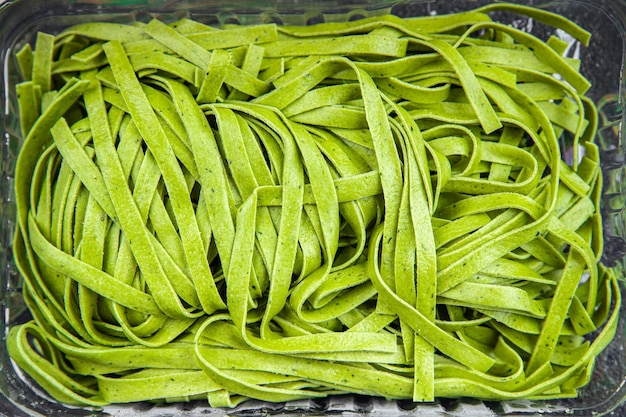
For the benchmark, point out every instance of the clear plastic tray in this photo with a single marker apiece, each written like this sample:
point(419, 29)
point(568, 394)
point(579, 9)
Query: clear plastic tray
point(602, 63)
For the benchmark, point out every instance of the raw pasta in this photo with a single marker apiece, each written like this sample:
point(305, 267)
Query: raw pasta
point(377, 207)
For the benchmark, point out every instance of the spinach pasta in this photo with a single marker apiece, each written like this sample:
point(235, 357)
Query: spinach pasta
point(380, 207)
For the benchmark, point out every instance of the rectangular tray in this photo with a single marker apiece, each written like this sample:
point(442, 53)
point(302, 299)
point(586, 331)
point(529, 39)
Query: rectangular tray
point(602, 63)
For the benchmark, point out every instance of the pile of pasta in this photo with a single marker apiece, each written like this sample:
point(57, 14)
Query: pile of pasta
point(397, 207)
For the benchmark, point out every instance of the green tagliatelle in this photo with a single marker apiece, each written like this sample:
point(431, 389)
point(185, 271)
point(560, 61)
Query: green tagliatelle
point(379, 207)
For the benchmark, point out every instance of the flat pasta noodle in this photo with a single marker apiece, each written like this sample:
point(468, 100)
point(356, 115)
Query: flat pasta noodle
point(379, 207)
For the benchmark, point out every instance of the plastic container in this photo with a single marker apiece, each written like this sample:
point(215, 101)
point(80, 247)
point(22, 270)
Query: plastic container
point(602, 63)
